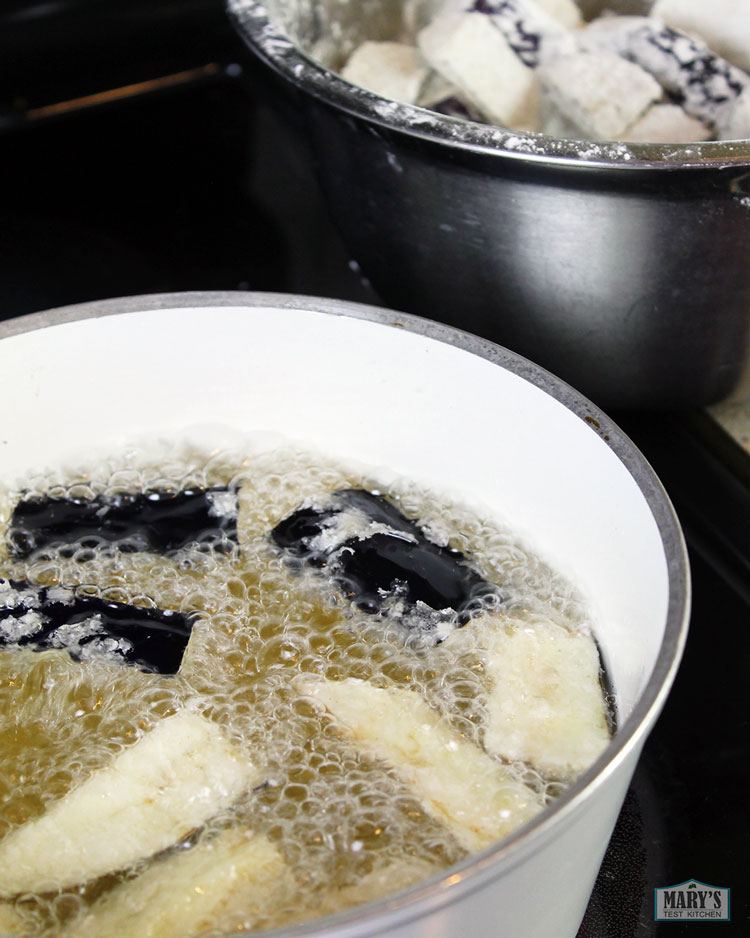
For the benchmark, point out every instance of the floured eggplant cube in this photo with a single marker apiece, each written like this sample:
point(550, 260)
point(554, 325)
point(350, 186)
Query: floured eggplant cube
point(723, 24)
point(391, 69)
point(87, 627)
point(535, 31)
point(566, 12)
point(666, 123)
point(372, 551)
point(155, 520)
point(735, 125)
point(474, 56)
point(704, 84)
point(598, 94)
point(440, 95)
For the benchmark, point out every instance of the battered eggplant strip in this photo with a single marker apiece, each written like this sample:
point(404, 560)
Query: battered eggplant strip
point(545, 702)
point(224, 883)
point(150, 796)
point(474, 796)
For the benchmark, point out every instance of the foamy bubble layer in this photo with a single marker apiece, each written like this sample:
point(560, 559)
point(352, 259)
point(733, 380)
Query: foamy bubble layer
point(332, 823)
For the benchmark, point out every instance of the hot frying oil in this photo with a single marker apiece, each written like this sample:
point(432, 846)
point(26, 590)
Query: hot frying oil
point(344, 824)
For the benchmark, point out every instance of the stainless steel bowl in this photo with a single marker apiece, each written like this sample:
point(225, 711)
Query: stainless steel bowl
point(624, 269)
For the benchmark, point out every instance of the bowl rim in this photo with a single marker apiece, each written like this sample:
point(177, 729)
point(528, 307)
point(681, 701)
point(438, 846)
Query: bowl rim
point(274, 47)
point(380, 916)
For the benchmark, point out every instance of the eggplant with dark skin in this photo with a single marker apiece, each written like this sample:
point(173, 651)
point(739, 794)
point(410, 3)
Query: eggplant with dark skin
point(152, 640)
point(162, 521)
point(156, 520)
point(389, 556)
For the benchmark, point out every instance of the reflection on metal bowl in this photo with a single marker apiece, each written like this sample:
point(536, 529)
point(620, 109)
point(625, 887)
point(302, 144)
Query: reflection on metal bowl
point(622, 268)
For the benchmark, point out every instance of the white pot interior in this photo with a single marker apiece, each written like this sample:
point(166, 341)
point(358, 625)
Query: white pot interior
point(359, 391)
point(410, 399)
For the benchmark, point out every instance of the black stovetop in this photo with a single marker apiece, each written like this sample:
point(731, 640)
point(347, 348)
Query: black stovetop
point(195, 183)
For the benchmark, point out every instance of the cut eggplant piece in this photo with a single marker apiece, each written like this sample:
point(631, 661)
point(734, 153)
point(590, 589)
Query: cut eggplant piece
point(152, 640)
point(723, 24)
point(391, 69)
point(546, 704)
point(598, 94)
point(152, 794)
point(372, 551)
point(219, 884)
point(461, 786)
point(155, 520)
point(470, 52)
point(666, 123)
point(706, 86)
point(534, 31)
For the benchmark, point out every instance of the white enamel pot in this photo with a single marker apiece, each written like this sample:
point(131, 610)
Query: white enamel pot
point(427, 402)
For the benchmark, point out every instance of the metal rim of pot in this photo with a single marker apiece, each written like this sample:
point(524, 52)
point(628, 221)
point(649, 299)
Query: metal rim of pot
point(285, 57)
point(477, 869)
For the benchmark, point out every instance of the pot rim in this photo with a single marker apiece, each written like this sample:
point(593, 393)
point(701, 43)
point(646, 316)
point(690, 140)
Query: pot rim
point(471, 874)
point(279, 52)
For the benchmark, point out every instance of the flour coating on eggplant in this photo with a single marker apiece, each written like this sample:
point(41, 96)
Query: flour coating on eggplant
point(678, 75)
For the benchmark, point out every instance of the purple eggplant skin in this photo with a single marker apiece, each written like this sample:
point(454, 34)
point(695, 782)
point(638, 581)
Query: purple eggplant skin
point(158, 520)
point(152, 640)
point(400, 562)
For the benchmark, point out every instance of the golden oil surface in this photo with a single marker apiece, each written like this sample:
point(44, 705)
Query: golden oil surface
point(337, 817)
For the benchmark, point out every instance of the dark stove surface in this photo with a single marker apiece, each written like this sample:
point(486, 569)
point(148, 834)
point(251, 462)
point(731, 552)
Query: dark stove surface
point(198, 184)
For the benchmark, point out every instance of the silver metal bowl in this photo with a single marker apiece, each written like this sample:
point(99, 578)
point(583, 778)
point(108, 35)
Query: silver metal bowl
point(623, 268)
